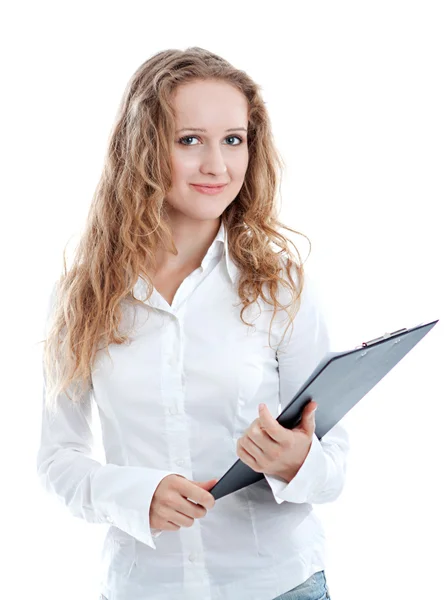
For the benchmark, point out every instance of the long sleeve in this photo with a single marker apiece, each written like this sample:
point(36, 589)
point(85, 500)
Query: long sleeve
point(322, 476)
point(95, 492)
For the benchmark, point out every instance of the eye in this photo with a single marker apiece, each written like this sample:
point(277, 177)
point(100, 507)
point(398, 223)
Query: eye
point(192, 137)
point(235, 137)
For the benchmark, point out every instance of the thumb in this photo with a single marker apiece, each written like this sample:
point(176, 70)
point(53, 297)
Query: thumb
point(307, 422)
point(206, 484)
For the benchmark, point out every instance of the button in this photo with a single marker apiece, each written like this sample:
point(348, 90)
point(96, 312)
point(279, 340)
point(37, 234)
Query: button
point(173, 410)
point(180, 462)
point(192, 557)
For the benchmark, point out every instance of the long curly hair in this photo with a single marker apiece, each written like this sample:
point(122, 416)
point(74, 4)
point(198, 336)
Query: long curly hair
point(127, 220)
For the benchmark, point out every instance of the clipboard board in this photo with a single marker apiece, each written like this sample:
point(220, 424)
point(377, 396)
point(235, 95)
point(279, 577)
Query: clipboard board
point(337, 384)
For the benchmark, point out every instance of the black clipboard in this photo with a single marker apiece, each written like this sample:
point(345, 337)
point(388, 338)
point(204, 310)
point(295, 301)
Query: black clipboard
point(337, 384)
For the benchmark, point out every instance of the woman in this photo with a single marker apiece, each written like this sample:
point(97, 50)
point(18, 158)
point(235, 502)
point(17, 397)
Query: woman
point(193, 276)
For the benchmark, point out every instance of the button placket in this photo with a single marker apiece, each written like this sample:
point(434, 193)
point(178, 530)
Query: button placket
point(171, 363)
point(173, 395)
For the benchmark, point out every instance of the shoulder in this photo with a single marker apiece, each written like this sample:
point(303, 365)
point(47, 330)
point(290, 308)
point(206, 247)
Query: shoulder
point(306, 291)
point(295, 279)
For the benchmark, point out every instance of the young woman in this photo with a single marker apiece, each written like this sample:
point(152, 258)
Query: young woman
point(183, 312)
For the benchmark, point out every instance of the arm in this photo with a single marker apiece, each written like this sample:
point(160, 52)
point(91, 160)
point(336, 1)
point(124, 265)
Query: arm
point(321, 477)
point(97, 493)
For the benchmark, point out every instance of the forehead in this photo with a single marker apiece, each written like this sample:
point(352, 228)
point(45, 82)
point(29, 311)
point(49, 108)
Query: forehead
point(210, 104)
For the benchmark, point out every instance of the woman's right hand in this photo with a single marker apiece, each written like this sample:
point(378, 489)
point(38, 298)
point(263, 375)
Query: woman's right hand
point(171, 508)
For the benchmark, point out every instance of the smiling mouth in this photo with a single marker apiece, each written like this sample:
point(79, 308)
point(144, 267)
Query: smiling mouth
point(210, 190)
point(215, 185)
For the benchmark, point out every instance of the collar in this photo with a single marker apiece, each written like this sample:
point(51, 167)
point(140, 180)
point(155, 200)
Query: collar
point(219, 243)
point(221, 236)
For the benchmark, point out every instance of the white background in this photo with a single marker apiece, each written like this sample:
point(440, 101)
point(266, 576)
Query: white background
point(358, 96)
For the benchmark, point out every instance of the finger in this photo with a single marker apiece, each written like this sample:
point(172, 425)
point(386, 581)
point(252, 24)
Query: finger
point(190, 490)
point(247, 458)
point(180, 519)
point(270, 425)
point(261, 440)
point(191, 509)
point(251, 448)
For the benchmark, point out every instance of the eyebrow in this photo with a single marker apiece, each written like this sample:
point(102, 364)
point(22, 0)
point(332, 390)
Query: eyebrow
point(205, 131)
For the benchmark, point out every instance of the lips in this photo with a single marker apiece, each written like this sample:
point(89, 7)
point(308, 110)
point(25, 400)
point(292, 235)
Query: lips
point(210, 190)
point(209, 185)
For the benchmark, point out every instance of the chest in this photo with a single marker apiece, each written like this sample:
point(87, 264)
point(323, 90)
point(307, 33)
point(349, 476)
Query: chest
point(202, 362)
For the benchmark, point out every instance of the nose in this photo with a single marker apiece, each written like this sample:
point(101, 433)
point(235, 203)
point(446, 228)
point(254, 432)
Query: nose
point(213, 161)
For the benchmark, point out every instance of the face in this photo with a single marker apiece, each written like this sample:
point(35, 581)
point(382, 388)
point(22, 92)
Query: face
point(216, 155)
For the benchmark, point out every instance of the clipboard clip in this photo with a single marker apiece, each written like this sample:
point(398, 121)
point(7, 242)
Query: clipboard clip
point(382, 337)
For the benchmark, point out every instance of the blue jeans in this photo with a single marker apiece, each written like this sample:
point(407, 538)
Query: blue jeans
point(314, 588)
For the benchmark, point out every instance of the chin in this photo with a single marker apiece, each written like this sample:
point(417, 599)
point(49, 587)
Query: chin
point(204, 213)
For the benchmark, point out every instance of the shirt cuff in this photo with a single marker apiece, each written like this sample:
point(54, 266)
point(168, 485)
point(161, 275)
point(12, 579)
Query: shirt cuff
point(155, 532)
point(309, 477)
point(124, 496)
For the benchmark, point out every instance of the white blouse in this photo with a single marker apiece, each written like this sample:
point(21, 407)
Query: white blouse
point(176, 400)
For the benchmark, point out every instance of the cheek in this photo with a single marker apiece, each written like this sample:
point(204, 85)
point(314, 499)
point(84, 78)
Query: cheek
point(183, 168)
point(239, 168)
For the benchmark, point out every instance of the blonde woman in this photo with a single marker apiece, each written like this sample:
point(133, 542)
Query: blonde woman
point(185, 311)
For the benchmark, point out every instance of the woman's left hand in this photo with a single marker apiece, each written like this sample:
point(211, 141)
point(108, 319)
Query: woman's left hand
point(268, 447)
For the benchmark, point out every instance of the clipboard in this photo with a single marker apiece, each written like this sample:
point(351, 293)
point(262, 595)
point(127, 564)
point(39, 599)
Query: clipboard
point(337, 384)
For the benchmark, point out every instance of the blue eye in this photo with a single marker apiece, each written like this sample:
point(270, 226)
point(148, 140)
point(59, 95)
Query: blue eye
point(188, 137)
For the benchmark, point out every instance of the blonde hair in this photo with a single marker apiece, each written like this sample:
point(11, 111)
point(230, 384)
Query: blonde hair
point(127, 219)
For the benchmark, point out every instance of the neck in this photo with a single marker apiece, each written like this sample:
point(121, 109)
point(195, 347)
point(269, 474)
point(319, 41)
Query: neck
point(192, 238)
